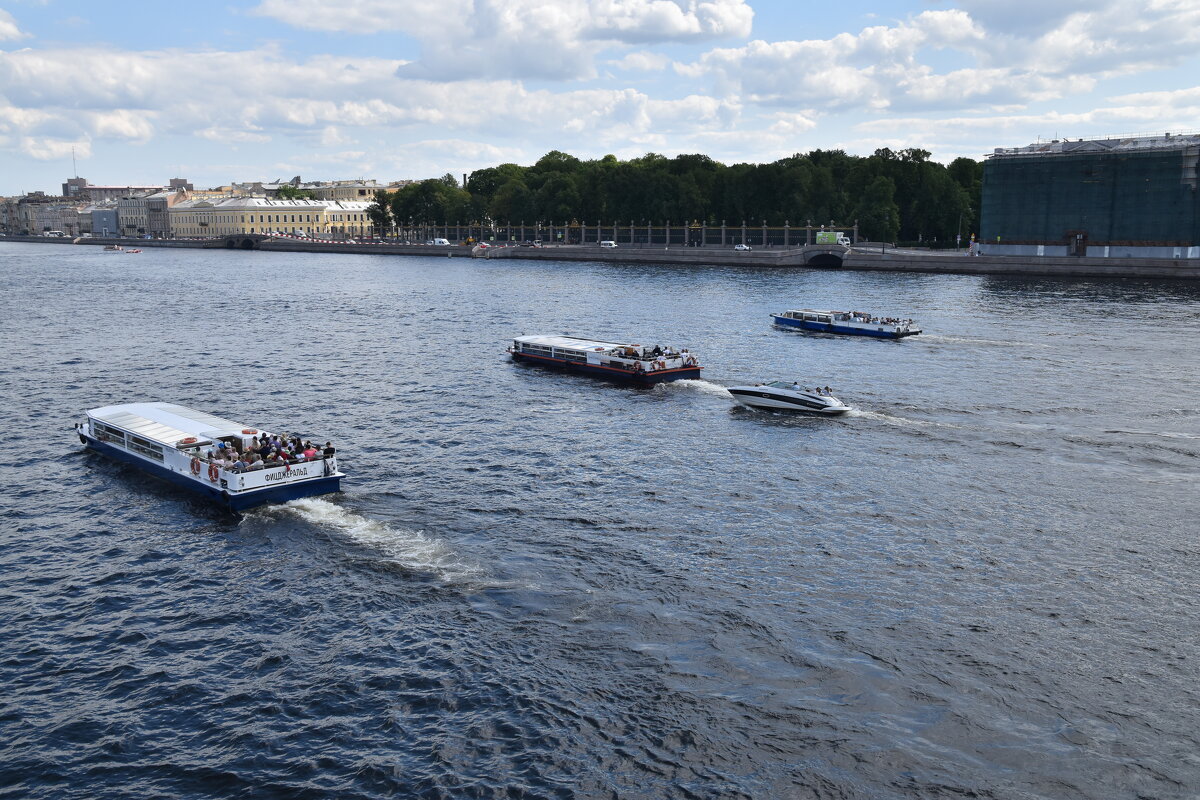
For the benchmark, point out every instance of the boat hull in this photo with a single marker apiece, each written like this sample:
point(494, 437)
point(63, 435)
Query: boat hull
point(878, 331)
point(755, 397)
point(612, 373)
point(233, 501)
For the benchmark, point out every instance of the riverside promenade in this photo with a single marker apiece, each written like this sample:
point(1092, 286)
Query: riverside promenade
point(862, 256)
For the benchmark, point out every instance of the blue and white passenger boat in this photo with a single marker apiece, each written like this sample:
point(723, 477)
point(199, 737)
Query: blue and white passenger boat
point(856, 323)
point(633, 363)
point(174, 443)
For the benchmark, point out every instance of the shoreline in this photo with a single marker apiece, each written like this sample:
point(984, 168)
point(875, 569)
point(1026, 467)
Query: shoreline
point(864, 256)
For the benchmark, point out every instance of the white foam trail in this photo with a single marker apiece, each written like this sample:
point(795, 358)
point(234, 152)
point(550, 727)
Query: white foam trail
point(893, 420)
point(1159, 434)
point(933, 337)
point(696, 385)
point(406, 548)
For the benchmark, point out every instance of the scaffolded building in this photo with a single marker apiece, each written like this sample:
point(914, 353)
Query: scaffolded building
point(1132, 197)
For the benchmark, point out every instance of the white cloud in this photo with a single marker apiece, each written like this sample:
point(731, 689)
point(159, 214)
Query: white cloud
point(544, 39)
point(887, 67)
point(8, 28)
point(642, 61)
point(54, 149)
point(221, 135)
point(122, 124)
point(790, 123)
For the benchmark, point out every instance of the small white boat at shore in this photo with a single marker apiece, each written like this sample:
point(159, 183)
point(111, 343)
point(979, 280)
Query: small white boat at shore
point(781, 395)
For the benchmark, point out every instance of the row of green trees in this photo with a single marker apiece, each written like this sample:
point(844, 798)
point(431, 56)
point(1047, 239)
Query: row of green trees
point(894, 196)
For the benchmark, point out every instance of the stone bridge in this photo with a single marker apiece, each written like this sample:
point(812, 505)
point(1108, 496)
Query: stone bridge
point(244, 241)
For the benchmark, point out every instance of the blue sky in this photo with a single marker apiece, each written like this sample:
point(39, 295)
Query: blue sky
point(391, 89)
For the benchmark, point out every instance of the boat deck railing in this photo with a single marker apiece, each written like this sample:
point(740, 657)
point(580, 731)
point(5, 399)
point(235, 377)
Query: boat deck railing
point(227, 467)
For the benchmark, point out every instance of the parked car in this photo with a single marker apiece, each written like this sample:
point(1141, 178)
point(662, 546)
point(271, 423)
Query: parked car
point(742, 247)
point(608, 244)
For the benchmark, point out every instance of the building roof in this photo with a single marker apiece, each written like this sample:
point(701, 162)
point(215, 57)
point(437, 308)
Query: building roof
point(268, 203)
point(1058, 147)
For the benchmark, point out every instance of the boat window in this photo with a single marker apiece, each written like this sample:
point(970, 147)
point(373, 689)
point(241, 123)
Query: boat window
point(822, 319)
point(570, 355)
point(147, 448)
point(810, 317)
point(108, 434)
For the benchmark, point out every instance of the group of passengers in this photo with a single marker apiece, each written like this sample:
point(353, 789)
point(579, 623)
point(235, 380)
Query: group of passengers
point(659, 356)
point(865, 318)
point(823, 392)
point(266, 452)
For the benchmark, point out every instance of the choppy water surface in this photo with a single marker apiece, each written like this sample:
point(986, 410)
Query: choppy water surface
point(982, 583)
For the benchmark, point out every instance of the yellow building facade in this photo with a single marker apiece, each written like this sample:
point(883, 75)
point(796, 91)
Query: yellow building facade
point(209, 217)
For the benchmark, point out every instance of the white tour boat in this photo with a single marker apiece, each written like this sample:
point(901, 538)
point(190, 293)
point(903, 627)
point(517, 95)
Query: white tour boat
point(855, 323)
point(788, 396)
point(175, 443)
point(633, 363)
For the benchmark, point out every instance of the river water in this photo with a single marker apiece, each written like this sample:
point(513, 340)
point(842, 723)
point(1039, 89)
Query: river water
point(981, 583)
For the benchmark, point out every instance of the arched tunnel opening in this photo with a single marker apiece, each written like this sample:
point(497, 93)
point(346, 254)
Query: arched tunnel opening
point(824, 260)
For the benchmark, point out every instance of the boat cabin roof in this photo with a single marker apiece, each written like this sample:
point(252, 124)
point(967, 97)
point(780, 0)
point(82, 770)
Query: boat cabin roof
point(572, 342)
point(815, 311)
point(166, 423)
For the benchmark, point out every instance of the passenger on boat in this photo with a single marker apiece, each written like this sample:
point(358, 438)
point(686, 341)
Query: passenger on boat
point(328, 450)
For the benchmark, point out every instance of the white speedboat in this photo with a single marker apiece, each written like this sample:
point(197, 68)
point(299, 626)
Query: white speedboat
point(788, 396)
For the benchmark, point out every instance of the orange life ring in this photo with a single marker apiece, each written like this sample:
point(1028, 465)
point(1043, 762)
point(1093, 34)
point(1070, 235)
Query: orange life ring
point(214, 472)
point(249, 431)
point(189, 440)
point(195, 466)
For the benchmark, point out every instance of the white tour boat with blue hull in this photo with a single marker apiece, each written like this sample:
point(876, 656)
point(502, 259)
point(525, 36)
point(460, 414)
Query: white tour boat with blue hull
point(632, 363)
point(173, 442)
point(854, 323)
point(781, 395)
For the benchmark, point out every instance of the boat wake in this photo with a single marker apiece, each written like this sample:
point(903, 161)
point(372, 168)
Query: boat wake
point(695, 385)
point(411, 550)
point(894, 420)
point(936, 339)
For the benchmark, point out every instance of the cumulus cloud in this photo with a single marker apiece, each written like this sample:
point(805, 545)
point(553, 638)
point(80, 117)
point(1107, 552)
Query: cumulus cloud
point(44, 149)
point(887, 67)
point(543, 39)
point(320, 101)
point(642, 61)
point(8, 27)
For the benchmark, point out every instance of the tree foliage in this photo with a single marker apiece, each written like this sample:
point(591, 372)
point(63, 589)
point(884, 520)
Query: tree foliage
point(895, 195)
point(380, 212)
point(287, 192)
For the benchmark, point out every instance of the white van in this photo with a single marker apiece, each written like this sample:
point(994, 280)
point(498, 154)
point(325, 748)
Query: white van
point(608, 244)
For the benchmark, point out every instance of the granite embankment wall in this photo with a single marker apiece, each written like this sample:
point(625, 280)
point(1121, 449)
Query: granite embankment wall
point(865, 256)
point(1065, 266)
